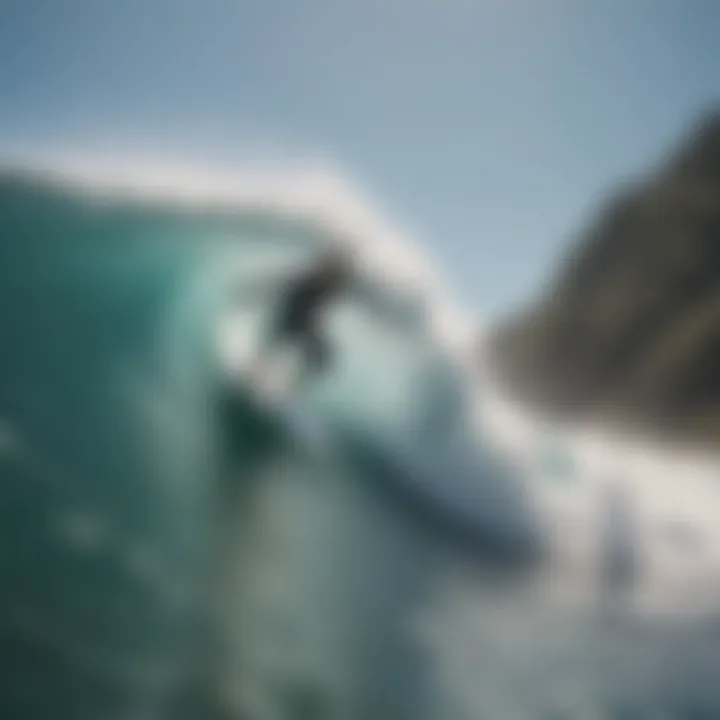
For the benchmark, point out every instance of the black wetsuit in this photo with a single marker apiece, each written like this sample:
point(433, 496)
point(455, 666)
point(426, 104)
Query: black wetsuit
point(298, 315)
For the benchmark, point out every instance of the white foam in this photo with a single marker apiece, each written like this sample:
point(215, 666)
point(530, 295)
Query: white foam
point(667, 489)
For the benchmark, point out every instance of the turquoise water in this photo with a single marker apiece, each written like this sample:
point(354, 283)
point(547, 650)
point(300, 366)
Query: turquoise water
point(171, 550)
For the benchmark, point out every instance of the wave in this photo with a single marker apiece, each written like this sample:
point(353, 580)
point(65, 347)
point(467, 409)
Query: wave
point(144, 484)
point(172, 549)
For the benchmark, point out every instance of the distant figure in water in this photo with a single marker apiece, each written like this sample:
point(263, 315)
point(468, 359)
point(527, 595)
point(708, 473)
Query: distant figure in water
point(303, 296)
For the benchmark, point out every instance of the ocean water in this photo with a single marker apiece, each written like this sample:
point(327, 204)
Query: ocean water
point(394, 547)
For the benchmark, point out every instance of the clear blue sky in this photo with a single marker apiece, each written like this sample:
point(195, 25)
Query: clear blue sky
point(489, 127)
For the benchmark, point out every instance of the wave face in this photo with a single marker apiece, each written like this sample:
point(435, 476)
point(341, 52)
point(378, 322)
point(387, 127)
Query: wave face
point(171, 550)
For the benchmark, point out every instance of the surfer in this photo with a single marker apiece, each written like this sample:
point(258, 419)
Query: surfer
point(304, 296)
point(301, 303)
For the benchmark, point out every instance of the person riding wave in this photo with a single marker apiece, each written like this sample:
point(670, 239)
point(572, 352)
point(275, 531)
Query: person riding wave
point(305, 294)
